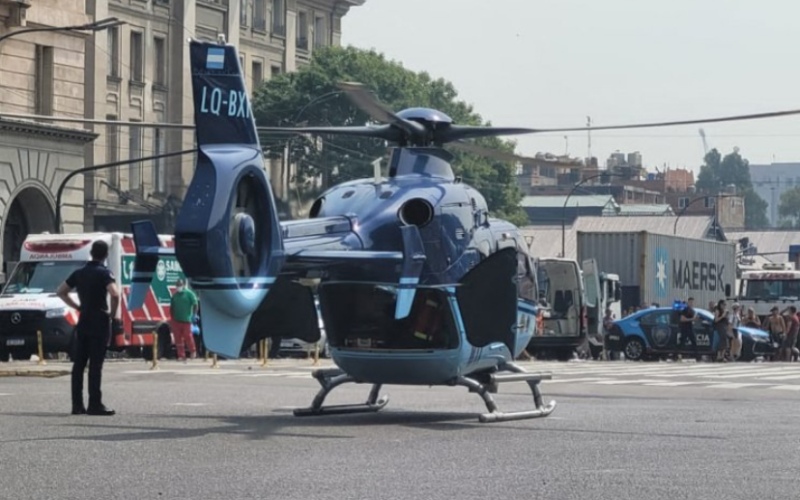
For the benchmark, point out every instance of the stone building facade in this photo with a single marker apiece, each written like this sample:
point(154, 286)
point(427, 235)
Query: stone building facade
point(135, 72)
point(43, 73)
point(141, 74)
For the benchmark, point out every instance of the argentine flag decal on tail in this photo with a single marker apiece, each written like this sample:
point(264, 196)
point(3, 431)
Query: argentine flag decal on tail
point(215, 58)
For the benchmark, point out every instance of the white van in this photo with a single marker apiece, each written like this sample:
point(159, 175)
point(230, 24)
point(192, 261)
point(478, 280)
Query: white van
point(566, 293)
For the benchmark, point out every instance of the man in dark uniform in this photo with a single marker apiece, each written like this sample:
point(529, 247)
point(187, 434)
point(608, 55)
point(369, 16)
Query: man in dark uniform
point(93, 282)
point(687, 319)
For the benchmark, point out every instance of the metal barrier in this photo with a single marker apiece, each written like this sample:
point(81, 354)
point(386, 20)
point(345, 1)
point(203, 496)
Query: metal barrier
point(40, 348)
point(263, 351)
point(154, 366)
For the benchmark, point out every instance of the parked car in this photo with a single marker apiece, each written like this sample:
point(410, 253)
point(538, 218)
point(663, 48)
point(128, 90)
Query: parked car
point(652, 332)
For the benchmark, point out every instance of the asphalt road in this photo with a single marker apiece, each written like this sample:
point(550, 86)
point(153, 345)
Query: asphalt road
point(620, 431)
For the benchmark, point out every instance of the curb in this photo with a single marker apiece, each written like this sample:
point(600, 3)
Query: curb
point(34, 373)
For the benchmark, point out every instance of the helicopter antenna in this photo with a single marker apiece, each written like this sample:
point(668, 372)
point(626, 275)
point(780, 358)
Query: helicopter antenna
point(376, 167)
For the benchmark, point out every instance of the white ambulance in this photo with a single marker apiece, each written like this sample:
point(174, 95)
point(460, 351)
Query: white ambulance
point(28, 303)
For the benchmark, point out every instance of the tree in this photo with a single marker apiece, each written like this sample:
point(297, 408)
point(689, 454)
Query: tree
point(311, 96)
point(789, 206)
point(718, 173)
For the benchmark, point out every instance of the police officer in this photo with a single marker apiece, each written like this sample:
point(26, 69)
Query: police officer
point(687, 318)
point(93, 282)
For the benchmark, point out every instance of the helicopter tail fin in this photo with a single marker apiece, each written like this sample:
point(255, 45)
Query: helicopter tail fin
point(227, 234)
point(148, 251)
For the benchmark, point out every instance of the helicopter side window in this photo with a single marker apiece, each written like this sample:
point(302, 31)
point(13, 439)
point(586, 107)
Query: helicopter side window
point(527, 285)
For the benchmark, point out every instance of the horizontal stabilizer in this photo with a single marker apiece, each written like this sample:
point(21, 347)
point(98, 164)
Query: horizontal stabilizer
point(148, 251)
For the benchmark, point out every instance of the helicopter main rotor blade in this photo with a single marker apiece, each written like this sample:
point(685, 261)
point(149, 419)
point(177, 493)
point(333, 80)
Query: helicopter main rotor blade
point(458, 132)
point(489, 153)
point(386, 132)
point(754, 116)
point(367, 102)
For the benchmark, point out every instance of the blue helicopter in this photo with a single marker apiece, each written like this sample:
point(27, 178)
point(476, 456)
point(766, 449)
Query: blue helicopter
point(417, 284)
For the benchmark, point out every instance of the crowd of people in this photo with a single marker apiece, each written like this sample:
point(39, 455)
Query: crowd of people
point(783, 327)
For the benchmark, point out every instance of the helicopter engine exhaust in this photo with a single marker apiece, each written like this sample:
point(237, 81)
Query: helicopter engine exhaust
point(416, 212)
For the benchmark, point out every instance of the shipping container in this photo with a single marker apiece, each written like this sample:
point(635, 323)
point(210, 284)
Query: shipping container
point(659, 269)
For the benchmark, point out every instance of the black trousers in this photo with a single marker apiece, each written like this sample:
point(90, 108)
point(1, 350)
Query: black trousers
point(90, 347)
point(686, 338)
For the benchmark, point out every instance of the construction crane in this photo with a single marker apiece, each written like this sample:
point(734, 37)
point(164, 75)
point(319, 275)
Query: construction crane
point(705, 144)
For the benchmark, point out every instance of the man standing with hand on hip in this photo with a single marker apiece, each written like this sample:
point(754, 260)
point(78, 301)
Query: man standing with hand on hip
point(94, 282)
point(183, 309)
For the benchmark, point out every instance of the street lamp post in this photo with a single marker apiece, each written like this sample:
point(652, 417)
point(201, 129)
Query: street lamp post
point(103, 24)
point(572, 191)
point(60, 191)
point(683, 210)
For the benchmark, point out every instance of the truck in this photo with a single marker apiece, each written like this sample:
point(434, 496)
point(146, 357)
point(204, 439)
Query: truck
point(774, 284)
point(657, 269)
point(29, 304)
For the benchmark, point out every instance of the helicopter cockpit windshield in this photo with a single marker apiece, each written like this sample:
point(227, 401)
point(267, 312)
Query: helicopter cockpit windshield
point(361, 316)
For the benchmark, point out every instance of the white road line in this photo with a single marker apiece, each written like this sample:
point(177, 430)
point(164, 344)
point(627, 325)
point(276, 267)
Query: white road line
point(785, 387)
point(611, 370)
point(277, 374)
point(190, 404)
point(672, 384)
point(781, 377)
point(709, 372)
point(732, 386)
point(622, 382)
point(754, 373)
point(5, 394)
point(560, 380)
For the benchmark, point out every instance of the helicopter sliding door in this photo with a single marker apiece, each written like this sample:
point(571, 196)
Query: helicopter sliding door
point(487, 299)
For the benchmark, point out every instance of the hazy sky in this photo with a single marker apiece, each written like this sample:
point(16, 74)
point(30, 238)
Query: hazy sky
point(552, 63)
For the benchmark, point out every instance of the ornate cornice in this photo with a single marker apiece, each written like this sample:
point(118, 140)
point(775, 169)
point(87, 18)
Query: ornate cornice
point(46, 130)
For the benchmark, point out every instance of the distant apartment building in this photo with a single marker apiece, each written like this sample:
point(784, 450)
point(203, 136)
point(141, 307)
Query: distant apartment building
point(42, 73)
point(549, 170)
point(771, 181)
point(140, 74)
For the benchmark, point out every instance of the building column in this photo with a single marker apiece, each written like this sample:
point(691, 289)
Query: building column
point(179, 109)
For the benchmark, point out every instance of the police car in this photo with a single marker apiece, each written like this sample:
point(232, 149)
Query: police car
point(655, 331)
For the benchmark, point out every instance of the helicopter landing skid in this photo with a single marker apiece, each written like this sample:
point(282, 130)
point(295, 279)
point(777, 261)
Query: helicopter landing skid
point(518, 375)
point(331, 378)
